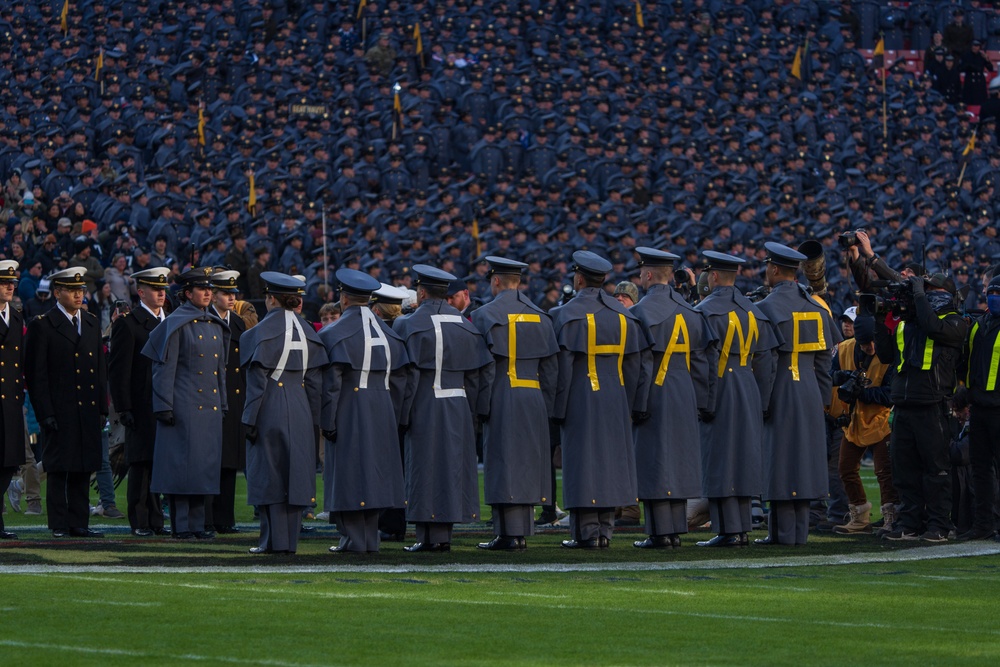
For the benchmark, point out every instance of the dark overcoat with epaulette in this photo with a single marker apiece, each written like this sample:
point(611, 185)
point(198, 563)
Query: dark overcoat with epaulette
point(67, 379)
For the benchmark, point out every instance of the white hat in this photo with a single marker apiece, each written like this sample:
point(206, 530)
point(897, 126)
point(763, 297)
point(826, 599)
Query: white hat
point(390, 295)
point(44, 285)
point(71, 278)
point(153, 277)
point(226, 281)
point(851, 313)
point(8, 270)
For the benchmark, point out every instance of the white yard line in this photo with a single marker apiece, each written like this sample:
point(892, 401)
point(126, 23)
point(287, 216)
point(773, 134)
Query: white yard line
point(937, 552)
point(116, 603)
point(158, 656)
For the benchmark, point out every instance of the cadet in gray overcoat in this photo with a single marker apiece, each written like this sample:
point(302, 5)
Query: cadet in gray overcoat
point(600, 375)
point(283, 361)
point(447, 354)
point(188, 351)
point(667, 442)
point(794, 444)
point(521, 386)
point(731, 430)
point(363, 391)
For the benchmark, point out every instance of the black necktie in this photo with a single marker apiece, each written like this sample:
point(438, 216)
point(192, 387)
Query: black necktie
point(76, 325)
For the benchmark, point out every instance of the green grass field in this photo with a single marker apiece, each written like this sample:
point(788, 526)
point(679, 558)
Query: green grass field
point(926, 613)
point(123, 600)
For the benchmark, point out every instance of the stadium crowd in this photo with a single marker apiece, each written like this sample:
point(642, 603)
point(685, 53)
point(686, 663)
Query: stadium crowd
point(309, 137)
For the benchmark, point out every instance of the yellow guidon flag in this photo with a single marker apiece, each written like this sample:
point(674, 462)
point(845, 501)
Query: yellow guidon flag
point(64, 17)
point(971, 146)
point(418, 39)
point(252, 199)
point(361, 7)
point(639, 20)
point(797, 63)
point(475, 236)
point(201, 124)
point(878, 55)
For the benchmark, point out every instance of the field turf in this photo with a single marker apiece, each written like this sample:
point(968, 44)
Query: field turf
point(124, 600)
point(918, 612)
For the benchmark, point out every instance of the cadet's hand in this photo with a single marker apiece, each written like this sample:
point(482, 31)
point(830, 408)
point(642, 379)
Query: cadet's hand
point(640, 417)
point(251, 433)
point(706, 416)
point(50, 424)
point(484, 419)
point(330, 435)
point(166, 417)
point(917, 283)
point(126, 419)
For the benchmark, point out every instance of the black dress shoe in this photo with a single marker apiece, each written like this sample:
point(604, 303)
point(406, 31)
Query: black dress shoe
point(390, 537)
point(429, 546)
point(723, 541)
point(675, 541)
point(307, 529)
point(504, 543)
point(744, 540)
point(582, 544)
point(184, 535)
point(60, 533)
point(161, 531)
point(142, 532)
point(205, 535)
point(259, 550)
point(84, 532)
point(654, 542)
point(226, 530)
point(6, 535)
point(603, 542)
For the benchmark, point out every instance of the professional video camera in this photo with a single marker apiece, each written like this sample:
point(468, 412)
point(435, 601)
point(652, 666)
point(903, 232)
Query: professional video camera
point(892, 297)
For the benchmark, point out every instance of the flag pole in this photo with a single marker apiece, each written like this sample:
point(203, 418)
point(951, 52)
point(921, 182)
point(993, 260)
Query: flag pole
point(396, 110)
point(326, 261)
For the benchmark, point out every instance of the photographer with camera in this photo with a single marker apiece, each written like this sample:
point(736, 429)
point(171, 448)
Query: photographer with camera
point(863, 260)
point(925, 347)
point(863, 382)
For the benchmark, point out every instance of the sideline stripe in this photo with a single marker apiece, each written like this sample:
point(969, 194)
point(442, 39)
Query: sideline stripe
point(920, 553)
point(179, 657)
